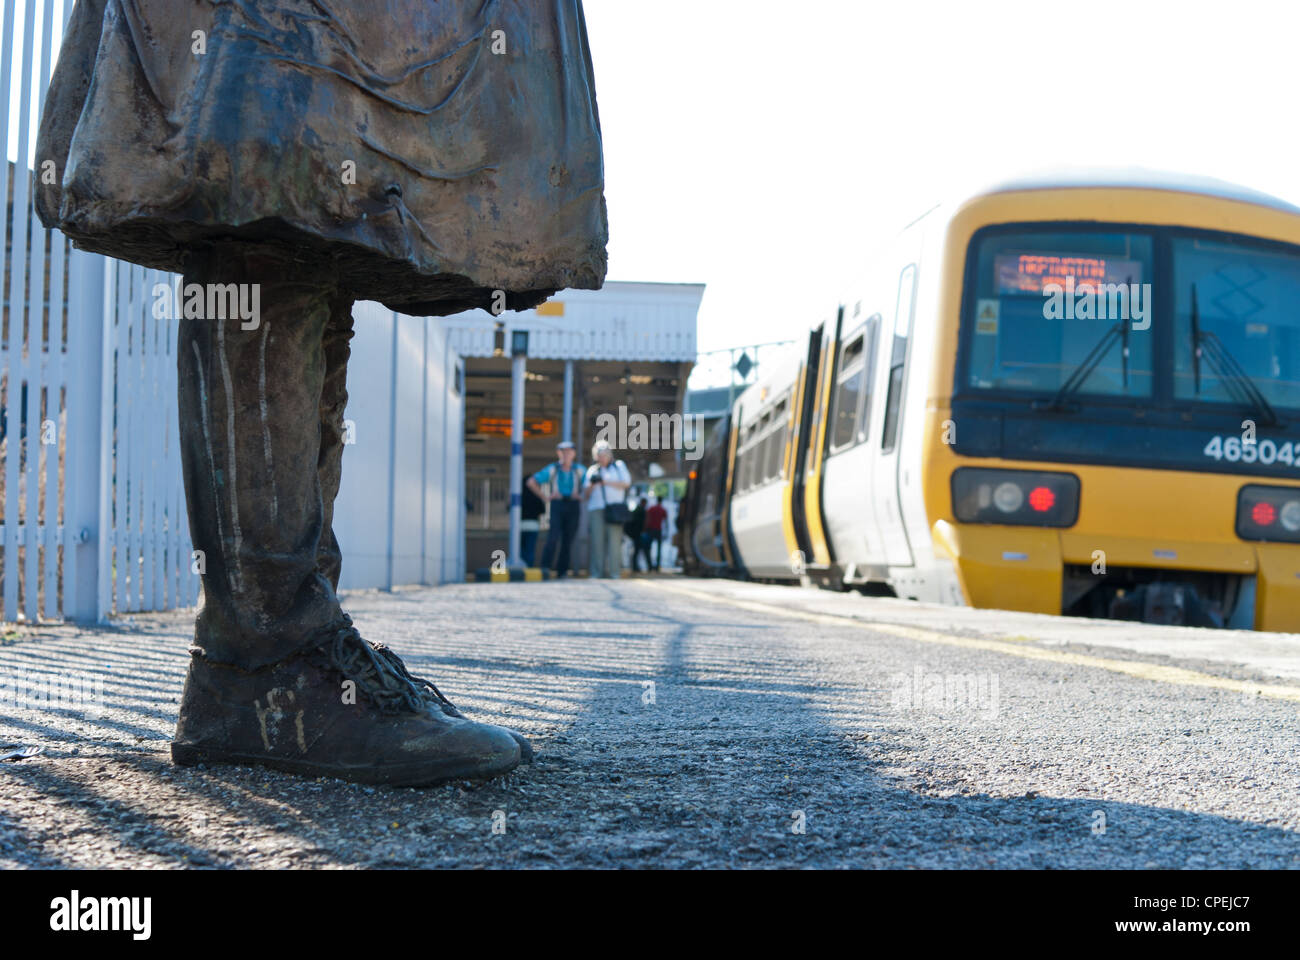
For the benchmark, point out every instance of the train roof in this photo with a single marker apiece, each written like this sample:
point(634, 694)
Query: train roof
point(782, 371)
point(1135, 178)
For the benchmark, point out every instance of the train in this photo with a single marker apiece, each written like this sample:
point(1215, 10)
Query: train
point(1069, 393)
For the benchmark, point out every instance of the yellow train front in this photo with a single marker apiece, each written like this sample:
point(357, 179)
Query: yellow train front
point(1072, 394)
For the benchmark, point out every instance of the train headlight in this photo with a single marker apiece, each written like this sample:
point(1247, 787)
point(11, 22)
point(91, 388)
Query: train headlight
point(1290, 515)
point(1028, 497)
point(1268, 513)
point(1008, 497)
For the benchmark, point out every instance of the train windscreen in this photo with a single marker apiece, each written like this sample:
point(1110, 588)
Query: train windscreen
point(1044, 308)
point(1238, 301)
point(1080, 312)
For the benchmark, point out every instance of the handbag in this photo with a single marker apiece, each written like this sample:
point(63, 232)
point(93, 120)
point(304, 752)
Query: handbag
point(615, 513)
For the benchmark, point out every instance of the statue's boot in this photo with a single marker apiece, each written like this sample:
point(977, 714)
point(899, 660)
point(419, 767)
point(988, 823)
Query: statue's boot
point(343, 709)
point(333, 438)
point(279, 677)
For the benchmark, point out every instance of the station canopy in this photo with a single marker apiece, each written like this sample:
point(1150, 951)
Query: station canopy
point(632, 347)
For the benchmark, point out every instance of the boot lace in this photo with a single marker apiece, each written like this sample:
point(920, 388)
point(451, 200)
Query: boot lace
point(380, 674)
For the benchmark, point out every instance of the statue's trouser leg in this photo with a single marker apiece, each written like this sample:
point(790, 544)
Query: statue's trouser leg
point(334, 398)
point(250, 405)
point(281, 677)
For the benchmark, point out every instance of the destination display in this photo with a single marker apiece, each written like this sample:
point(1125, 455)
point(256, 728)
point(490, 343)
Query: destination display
point(1029, 273)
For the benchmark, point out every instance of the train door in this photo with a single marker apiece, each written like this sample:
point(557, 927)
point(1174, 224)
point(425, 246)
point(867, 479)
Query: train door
point(804, 423)
point(851, 526)
point(884, 469)
point(819, 558)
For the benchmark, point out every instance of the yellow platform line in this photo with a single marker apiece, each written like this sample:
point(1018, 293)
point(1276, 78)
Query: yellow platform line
point(1132, 668)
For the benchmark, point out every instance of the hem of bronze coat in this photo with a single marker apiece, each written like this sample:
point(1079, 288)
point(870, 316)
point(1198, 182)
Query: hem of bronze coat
point(366, 273)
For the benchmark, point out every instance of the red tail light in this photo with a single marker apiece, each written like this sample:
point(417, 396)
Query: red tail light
point(1042, 499)
point(1263, 514)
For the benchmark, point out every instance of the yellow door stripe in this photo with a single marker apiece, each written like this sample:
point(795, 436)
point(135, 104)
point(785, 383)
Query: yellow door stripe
point(1026, 651)
point(732, 442)
point(792, 441)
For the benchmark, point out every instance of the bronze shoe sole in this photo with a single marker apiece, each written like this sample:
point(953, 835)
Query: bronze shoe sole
point(416, 773)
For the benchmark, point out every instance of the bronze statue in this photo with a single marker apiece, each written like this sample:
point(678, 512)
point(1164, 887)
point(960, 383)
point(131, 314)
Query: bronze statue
point(433, 156)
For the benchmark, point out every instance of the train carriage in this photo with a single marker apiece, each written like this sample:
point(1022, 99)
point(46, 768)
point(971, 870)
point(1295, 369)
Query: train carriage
point(1066, 394)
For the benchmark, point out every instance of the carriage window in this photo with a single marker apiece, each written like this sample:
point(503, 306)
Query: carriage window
point(761, 448)
point(902, 329)
point(752, 477)
point(776, 449)
point(848, 394)
point(762, 453)
point(869, 385)
point(744, 461)
point(777, 462)
point(752, 473)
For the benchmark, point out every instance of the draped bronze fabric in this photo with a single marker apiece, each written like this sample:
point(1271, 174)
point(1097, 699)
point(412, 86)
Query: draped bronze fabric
point(429, 151)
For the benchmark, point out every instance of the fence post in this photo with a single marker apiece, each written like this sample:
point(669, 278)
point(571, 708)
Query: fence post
point(85, 524)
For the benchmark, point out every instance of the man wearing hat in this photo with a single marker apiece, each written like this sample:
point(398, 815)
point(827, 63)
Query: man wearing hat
point(560, 485)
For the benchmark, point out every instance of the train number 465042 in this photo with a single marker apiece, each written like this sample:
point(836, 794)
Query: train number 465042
point(1234, 450)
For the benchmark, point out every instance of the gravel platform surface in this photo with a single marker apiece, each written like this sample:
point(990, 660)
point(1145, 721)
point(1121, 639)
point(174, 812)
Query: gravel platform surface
point(672, 731)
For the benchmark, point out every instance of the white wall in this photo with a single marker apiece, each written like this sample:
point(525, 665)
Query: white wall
point(400, 512)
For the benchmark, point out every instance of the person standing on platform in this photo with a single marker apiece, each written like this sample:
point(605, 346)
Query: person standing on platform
point(560, 484)
point(606, 496)
point(531, 509)
point(634, 527)
point(656, 519)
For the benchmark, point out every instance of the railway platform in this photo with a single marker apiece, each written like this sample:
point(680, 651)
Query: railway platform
point(695, 723)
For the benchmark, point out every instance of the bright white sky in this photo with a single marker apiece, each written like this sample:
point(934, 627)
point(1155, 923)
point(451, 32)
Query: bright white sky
point(767, 148)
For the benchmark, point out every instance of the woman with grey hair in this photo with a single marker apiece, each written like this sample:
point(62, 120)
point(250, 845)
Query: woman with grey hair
point(606, 495)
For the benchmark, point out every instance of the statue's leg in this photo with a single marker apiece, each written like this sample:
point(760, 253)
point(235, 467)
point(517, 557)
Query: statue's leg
point(279, 676)
point(249, 393)
point(333, 401)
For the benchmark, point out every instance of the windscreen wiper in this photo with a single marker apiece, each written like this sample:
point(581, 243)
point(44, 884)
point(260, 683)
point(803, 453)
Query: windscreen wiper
point(1196, 349)
point(1238, 382)
point(1075, 381)
point(1084, 370)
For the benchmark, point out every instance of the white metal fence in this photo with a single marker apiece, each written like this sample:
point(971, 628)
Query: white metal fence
point(91, 509)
